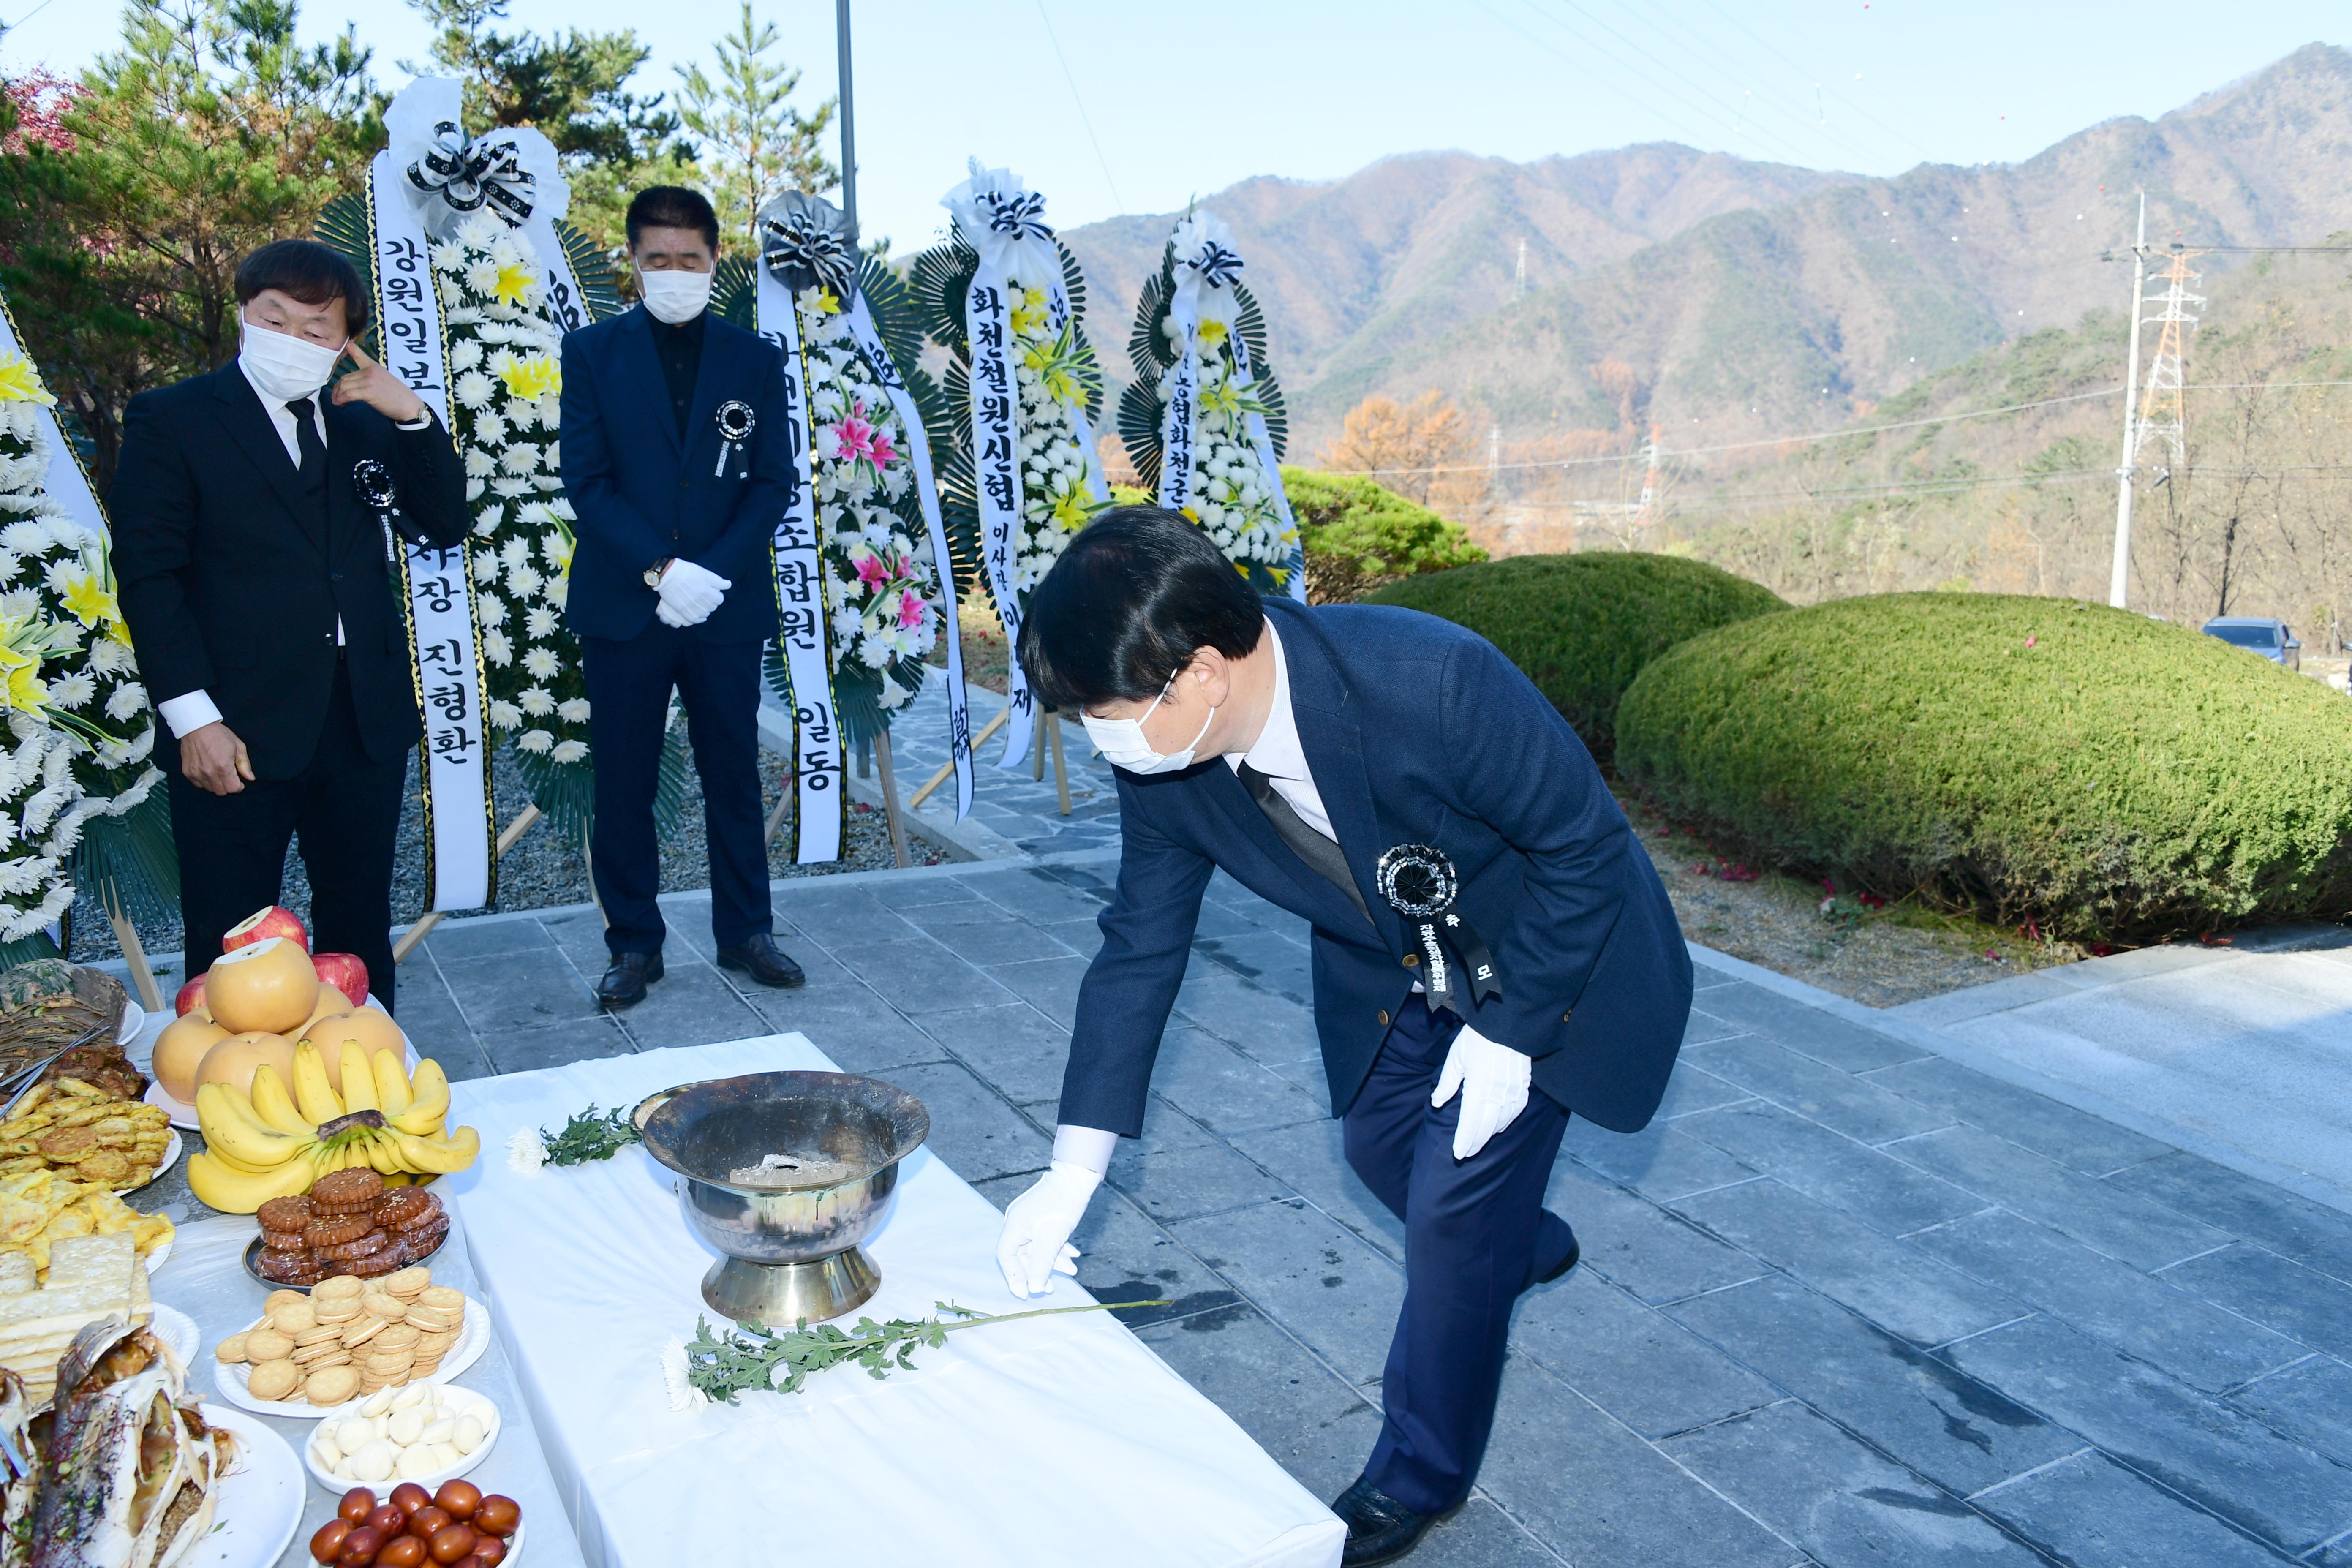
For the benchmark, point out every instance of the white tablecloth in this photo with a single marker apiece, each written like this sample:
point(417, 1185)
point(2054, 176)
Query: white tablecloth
point(1053, 1440)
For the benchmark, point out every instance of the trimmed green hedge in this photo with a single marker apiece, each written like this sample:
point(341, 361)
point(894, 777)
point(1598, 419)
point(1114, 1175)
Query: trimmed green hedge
point(2102, 773)
point(1583, 626)
point(1359, 535)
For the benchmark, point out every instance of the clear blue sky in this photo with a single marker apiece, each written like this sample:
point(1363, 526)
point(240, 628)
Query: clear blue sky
point(1313, 91)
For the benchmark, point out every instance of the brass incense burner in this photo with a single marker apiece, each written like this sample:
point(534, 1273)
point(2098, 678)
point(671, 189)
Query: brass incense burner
point(789, 1232)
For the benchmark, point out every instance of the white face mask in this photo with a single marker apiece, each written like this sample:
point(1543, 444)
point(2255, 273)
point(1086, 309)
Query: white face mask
point(283, 366)
point(675, 297)
point(1123, 745)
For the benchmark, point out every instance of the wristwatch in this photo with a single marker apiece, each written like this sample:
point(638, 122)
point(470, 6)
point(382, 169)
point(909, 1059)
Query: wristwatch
point(653, 573)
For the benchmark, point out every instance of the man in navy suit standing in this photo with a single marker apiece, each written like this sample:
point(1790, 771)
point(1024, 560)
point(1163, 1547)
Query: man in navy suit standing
point(1492, 948)
point(678, 458)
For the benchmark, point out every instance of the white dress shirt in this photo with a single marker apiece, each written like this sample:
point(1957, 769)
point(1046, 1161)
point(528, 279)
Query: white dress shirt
point(191, 710)
point(1278, 754)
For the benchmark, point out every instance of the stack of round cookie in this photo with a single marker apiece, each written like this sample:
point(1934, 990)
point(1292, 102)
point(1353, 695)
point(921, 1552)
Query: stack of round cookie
point(348, 1338)
point(349, 1223)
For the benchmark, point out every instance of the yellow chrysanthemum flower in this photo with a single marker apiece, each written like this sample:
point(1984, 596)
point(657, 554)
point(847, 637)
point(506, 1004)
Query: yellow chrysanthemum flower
point(514, 281)
point(20, 382)
point(532, 378)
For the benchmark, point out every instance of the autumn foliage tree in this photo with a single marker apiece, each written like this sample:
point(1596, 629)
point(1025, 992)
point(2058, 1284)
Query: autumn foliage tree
point(1398, 444)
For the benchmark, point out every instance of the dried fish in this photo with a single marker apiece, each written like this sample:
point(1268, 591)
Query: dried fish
point(126, 1446)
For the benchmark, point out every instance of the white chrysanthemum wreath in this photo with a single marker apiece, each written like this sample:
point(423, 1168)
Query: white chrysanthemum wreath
point(80, 732)
point(1055, 372)
point(506, 382)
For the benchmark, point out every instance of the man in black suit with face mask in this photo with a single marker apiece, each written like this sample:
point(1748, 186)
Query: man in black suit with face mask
point(260, 593)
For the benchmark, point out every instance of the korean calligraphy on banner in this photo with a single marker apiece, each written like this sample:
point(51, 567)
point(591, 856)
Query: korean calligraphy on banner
point(998, 469)
point(444, 659)
point(800, 602)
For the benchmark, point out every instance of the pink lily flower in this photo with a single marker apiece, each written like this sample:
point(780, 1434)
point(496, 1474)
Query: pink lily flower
point(911, 610)
point(872, 572)
point(860, 441)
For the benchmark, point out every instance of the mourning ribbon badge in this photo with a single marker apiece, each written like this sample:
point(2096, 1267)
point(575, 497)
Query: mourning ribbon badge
point(379, 494)
point(1420, 883)
point(735, 422)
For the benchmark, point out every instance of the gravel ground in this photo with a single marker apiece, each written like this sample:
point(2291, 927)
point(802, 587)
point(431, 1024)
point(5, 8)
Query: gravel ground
point(543, 870)
point(1776, 921)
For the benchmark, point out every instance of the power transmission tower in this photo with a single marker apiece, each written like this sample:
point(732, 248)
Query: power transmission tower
point(1519, 278)
point(2162, 415)
point(1646, 512)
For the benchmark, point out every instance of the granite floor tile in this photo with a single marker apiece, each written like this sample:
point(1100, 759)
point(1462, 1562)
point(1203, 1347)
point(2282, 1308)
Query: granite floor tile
point(2200, 1448)
point(1082, 937)
point(2311, 1402)
point(2274, 1291)
point(836, 918)
point(1693, 1089)
point(1830, 1167)
point(1317, 1279)
point(999, 938)
point(1224, 1090)
point(910, 893)
point(1048, 984)
point(1012, 1046)
point(2117, 1222)
point(1831, 1096)
point(1705, 1027)
point(1846, 1505)
point(2312, 1234)
point(922, 977)
point(858, 1031)
point(1902, 1291)
point(1123, 1255)
point(1310, 1157)
point(1822, 1036)
point(2170, 1329)
point(2091, 1513)
point(1948, 1427)
point(1480, 1535)
point(496, 994)
point(1179, 1184)
point(1297, 1409)
point(1164, 1127)
point(463, 938)
point(1037, 895)
point(972, 1129)
point(1596, 1492)
point(2061, 1132)
point(1632, 1361)
point(691, 1004)
point(1265, 961)
point(1659, 1161)
point(1269, 1026)
point(556, 1044)
point(1657, 1255)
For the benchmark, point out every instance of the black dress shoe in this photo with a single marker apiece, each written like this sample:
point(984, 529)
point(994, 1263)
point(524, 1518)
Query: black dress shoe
point(1380, 1528)
point(1575, 1251)
point(765, 961)
point(625, 980)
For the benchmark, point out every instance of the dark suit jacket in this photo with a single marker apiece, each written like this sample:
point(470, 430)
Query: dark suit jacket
point(641, 494)
point(230, 582)
point(1416, 732)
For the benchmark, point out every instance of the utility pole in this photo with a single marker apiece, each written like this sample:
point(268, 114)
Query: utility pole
point(1647, 512)
point(2119, 574)
point(849, 117)
point(1519, 278)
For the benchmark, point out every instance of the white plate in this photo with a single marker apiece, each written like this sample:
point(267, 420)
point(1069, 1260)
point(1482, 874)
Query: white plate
point(258, 1505)
point(155, 1258)
point(464, 1401)
point(177, 1330)
point(230, 1378)
point(134, 1018)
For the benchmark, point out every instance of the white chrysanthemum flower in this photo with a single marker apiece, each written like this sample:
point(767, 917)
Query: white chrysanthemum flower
point(108, 657)
point(523, 581)
point(538, 742)
point(536, 702)
point(490, 430)
point(569, 750)
point(465, 354)
point(540, 664)
point(496, 648)
point(504, 714)
point(482, 275)
point(489, 610)
point(520, 458)
point(72, 691)
point(540, 623)
point(573, 709)
point(527, 1153)
point(475, 389)
point(683, 1396)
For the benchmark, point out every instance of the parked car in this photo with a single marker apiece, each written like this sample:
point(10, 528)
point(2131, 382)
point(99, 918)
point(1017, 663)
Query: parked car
point(2274, 640)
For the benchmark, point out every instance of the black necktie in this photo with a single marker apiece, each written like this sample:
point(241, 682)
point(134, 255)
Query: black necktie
point(306, 439)
point(1320, 853)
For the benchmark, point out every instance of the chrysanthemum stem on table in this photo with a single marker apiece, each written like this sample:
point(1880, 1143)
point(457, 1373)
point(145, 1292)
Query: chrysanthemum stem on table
point(719, 1367)
point(588, 1135)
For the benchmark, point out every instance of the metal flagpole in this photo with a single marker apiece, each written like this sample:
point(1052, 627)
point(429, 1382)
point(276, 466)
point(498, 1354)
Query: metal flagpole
point(2119, 574)
point(849, 117)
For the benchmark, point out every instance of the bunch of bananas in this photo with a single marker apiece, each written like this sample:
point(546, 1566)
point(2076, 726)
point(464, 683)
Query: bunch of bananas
point(272, 1141)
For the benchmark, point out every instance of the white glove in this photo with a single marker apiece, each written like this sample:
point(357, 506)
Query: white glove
point(1493, 1082)
point(1037, 1226)
point(664, 613)
point(691, 592)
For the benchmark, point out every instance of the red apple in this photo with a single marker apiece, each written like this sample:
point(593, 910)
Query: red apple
point(191, 997)
point(346, 972)
point(267, 922)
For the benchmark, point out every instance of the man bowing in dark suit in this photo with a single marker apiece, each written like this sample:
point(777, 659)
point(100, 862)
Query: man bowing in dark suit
point(1491, 949)
point(262, 602)
point(678, 458)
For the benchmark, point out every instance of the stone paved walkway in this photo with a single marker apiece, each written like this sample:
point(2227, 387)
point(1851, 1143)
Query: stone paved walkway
point(1845, 1302)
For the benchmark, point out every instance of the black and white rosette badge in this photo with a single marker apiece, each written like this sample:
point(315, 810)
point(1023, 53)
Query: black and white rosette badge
point(736, 423)
point(377, 492)
point(1420, 883)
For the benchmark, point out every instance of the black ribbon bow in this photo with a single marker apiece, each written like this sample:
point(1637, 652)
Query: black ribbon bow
point(472, 175)
point(807, 240)
point(1420, 883)
point(1022, 216)
point(1218, 267)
